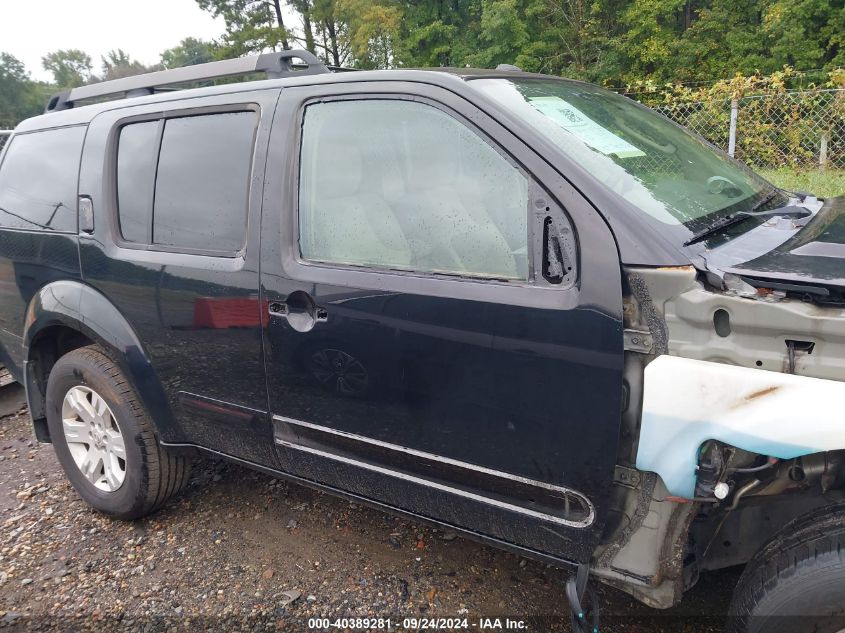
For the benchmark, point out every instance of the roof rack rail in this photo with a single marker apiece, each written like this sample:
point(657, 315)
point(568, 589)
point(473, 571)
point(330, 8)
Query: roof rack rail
point(274, 65)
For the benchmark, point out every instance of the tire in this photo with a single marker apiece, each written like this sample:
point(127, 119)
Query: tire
point(796, 583)
point(91, 410)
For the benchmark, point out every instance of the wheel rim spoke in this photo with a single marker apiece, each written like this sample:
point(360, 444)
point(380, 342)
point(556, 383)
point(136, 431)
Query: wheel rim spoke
point(76, 431)
point(78, 401)
point(92, 465)
point(111, 471)
point(116, 447)
point(99, 406)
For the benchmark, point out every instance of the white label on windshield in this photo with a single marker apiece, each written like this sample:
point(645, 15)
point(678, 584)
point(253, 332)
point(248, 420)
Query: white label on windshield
point(573, 120)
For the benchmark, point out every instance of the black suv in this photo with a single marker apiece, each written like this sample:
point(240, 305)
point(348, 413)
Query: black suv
point(522, 307)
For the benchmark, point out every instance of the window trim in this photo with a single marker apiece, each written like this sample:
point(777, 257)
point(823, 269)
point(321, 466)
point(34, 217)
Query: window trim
point(4, 156)
point(161, 117)
point(310, 264)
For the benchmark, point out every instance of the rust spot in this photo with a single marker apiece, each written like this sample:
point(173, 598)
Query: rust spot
point(685, 269)
point(761, 393)
point(756, 395)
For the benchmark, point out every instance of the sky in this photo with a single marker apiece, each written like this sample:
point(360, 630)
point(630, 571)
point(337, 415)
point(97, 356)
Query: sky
point(142, 28)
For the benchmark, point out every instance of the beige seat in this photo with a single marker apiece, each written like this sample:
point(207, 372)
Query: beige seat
point(342, 221)
point(444, 216)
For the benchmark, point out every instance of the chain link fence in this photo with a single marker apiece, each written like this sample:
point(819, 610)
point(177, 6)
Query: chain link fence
point(804, 130)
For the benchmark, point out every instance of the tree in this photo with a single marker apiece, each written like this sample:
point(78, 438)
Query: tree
point(251, 25)
point(117, 64)
point(646, 42)
point(331, 33)
point(374, 28)
point(503, 33)
point(20, 97)
point(439, 33)
point(70, 68)
point(805, 33)
point(724, 37)
point(305, 9)
point(615, 42)
point(188, 52)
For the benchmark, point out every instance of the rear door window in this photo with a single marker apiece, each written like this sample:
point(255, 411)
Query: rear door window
point(39, 180)
point(183, 183)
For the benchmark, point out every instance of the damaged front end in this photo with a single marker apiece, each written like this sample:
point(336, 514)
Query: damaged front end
point(735, 377)
point(810, 265)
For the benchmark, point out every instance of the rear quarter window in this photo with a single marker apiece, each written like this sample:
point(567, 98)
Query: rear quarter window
point(39, 178)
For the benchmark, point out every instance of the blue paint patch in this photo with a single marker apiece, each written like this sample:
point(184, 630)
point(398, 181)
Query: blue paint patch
point(669, 447)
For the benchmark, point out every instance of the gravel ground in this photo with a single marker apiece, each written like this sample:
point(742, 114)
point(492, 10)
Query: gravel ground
point(242, 551)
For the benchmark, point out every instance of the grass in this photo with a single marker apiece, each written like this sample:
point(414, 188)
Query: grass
point(822, 183)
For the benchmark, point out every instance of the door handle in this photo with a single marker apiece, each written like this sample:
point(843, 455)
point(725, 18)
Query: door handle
point(278, 309)
point(86, 214)
point(300, 311)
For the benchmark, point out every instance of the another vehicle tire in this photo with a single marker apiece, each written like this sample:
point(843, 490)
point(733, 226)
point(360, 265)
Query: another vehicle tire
point(104, 439)
point(796, 583)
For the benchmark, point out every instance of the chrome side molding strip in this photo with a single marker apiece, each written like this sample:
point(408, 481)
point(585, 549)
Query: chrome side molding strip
point(567, 493)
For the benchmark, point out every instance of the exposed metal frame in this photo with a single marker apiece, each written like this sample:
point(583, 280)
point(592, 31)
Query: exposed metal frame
point(274, 65)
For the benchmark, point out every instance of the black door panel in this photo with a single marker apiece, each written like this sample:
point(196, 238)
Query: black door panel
point(490, 405)
point(196, 310)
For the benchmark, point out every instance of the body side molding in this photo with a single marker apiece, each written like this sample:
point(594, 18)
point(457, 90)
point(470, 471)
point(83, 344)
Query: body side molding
point(435, 471)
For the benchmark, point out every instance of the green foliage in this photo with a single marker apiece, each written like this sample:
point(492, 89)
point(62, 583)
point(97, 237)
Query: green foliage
point(20, 97)
point(776, 127)
point(614, 42)
point(805, 33)
point(188, 52)
point(373, 28)
point(630, 45)
point(70, 68)
point(822, 183)
point(118, 64)
point(251, 25)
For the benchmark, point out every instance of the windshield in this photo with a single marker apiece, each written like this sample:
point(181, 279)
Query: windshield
point(664, 171)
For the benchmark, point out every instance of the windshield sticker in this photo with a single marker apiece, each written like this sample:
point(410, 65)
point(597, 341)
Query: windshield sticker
point(573, 120)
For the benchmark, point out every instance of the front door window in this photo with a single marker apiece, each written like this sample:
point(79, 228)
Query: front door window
point(402, 185)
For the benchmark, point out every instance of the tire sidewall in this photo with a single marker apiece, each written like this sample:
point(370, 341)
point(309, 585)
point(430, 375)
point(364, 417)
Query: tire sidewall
point(810, 601)
point(77, 370)
point(796, 582)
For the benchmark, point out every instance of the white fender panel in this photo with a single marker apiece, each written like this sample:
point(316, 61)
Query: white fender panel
point(687, 402)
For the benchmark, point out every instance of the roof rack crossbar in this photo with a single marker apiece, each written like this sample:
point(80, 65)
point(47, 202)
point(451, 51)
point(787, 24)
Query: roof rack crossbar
point(274, 65)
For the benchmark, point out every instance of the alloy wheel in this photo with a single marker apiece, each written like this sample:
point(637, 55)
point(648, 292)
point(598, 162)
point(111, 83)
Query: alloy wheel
point(94, 438)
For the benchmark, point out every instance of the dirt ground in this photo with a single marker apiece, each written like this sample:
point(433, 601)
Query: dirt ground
point(240, 550)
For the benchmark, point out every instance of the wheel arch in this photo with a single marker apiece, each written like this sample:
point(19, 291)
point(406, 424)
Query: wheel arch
point(65, 315)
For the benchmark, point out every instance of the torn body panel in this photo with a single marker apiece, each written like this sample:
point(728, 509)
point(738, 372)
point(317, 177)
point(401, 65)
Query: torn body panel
point(688, 402)
point(723, 349)
point(647, 558)
point(813, 256)
point(755, 332)
point(758, 371)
